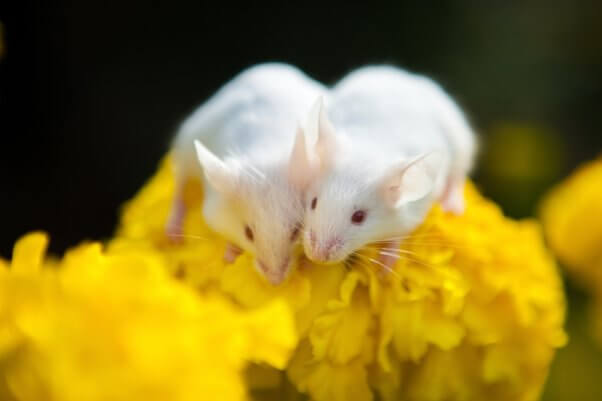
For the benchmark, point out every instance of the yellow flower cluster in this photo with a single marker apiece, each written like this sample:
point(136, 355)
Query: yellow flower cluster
point(572, 219)
point(100, 326)
point(474, 310)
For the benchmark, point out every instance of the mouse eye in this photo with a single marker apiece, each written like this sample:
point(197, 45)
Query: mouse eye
point(358, 217)
point(249, 233)
point(295, 233)
point(314, 201)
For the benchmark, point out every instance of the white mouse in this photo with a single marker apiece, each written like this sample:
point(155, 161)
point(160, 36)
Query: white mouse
point(390, 145)
point(254, 163)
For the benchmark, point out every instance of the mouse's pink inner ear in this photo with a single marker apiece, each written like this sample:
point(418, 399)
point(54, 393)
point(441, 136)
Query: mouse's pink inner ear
point(410, 181)
point(303, 162)
point(327, 144)
point(219, 175)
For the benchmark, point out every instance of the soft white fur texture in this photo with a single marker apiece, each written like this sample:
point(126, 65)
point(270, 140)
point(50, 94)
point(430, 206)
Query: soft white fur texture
point(390, 144)
point(244, 137)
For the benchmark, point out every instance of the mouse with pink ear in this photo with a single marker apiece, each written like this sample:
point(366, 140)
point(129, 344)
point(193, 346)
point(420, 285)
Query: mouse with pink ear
point(246, 144)
point(390, 145)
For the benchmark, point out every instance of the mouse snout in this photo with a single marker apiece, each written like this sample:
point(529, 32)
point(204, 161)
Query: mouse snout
point(274, 274)
point(312, 238)
point(310, 245)
point(323, 251)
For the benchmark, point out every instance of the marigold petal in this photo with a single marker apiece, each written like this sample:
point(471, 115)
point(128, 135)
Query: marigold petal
point(28, 253)
point(325, 381)
point(340, 333)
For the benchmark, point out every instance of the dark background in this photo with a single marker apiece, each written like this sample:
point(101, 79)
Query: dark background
point(91, 91)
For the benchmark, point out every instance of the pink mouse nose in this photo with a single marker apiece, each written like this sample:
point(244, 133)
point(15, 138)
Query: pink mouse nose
point(312, 239)
point(323, 251)
point(274, 276)
point(313, 250)
point(330, 247)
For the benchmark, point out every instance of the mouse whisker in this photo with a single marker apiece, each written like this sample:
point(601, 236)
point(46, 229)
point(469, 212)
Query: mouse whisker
point(411, 259)
point(363, 261)
point(406, 237)
point(190, 236)
point(400, 250)
point(434, 241)
point(392, 254)
point(387, 268)
point(443, 244)
point(408, 255)
point(370, 266)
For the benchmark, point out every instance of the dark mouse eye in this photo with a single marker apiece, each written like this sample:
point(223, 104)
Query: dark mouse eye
point(358, 217)
point(249, 233)
point(314, 201)
point(295, 233)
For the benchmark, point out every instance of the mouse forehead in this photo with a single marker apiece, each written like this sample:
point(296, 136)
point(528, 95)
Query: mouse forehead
point(270, 204)
point(344, 187)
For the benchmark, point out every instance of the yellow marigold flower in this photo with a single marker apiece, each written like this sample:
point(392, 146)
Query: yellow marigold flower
point(572, 217)
point(474, 311)
point(114, 326)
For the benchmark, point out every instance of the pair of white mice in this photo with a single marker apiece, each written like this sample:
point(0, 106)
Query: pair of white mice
point(285, 159)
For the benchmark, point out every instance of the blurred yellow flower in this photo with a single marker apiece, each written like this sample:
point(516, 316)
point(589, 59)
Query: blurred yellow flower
point(572, 217)
point(114, 326)
point(474, 311)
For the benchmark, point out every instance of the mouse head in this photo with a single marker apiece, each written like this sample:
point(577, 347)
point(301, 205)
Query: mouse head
point(355, 201)
point(258, 207)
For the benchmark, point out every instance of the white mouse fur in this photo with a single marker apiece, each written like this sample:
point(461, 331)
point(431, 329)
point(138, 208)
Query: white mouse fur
point(254, 171)
point(391, 144)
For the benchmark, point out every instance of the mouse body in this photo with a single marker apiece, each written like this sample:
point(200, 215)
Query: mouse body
point(390, 145)
point(247, 144)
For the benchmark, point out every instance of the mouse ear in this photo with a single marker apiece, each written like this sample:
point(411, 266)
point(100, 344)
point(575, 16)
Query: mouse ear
point(413, 180)
point(327, 144)
point(320, 127)
point(302, 166)
point(219, 174)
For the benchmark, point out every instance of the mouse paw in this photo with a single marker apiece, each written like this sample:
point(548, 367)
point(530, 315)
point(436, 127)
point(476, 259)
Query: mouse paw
point(454, 204)
point(231, 253)
point(453, 198)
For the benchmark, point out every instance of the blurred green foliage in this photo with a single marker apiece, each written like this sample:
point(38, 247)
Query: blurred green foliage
point(519, 161)
point(576, 373)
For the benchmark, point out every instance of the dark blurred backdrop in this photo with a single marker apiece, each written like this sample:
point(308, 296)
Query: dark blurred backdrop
point(91, 91)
